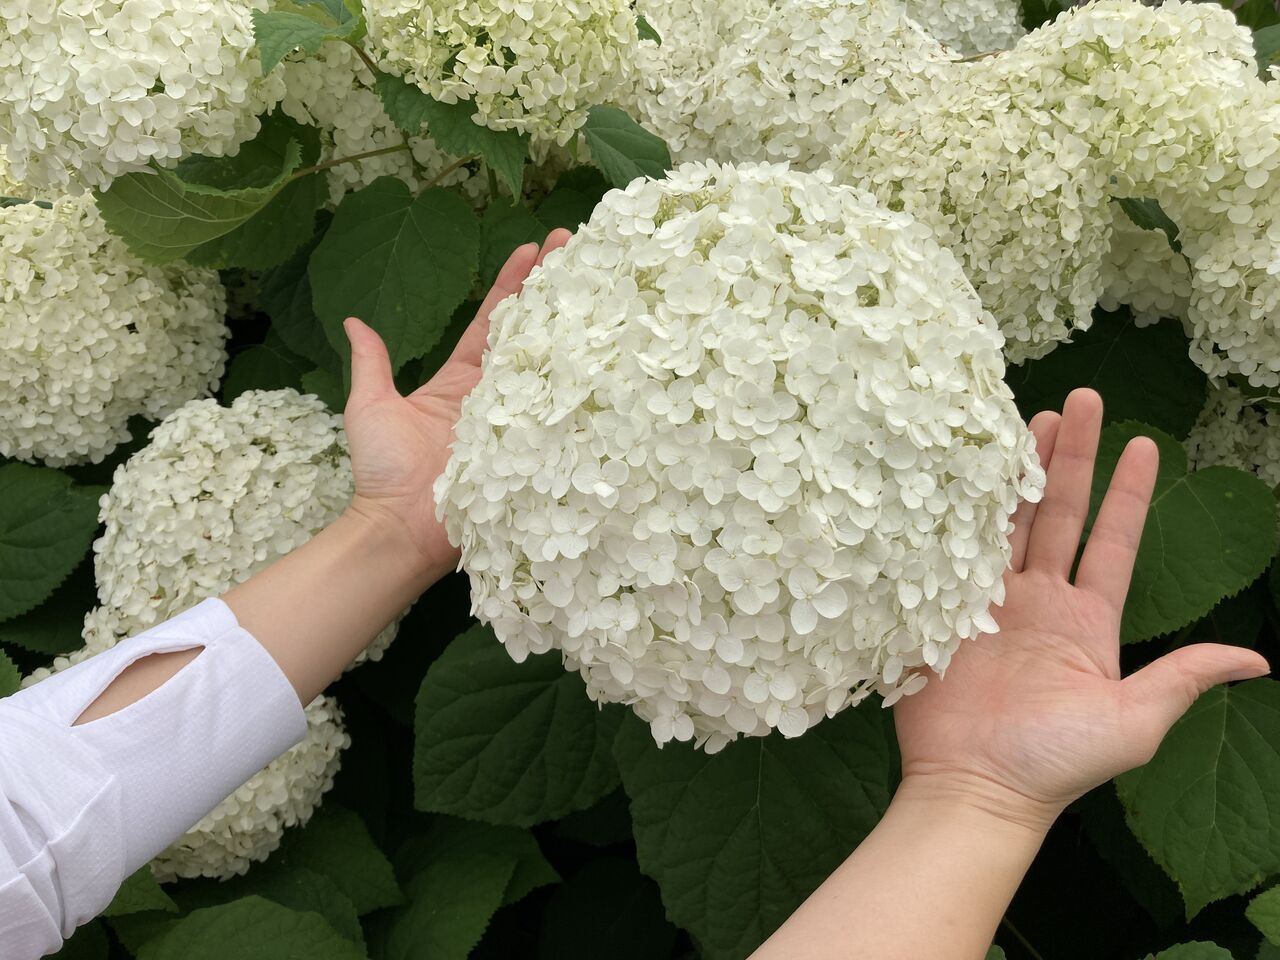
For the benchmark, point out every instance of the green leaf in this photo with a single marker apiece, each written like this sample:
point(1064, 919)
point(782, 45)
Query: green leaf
point(453, 128)
point(272, 234)
point(1208, 535)
point(140, 892)
point(461, 874)
point(1149, 215)
point(328, 387)
point(1207, 806)
point(622, 149)
point(47, 524)
point(506, 742)
point(646, 31)
point(995, 953)
point(505, 227)
point(285, 295)
point(336, 844)
point(607, 909)
point(134, 930)
point(739, 839)
point(164, 215)
point(290, 26)
point(252, 928)
point(298, 888)
point(262, 367)
point(1264, 913)
point(452, 838)
point(10, 676)
point(1142, 373)
point(1236, 620)
point(399, 263)
point(1197, 950)
point(55, 627)
point(1266, 45)
point(1256, 14)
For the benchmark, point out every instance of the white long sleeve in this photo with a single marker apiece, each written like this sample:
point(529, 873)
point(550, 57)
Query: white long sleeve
point(83, 807)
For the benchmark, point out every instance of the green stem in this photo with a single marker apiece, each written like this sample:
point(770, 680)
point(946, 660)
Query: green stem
point(434, 181)
point(338, 161)
point(368, 62)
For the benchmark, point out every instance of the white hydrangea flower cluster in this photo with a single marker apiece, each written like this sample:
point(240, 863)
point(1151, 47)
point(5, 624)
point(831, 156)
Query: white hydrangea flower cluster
point(529, 65)
point(970, 26)
point(218, 494)
point(742, 452)
point(90, 335)
point(93, 89)
point(334, 92)
point(1144, 273)
point(1232, 432)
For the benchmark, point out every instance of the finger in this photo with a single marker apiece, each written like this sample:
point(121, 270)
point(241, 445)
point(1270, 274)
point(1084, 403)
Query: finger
point(1107, 563)
point(555, 240)
point(1045, 427)
point(471, 346)
point(1162, 691)
point(371, 375)
point(1060, 516)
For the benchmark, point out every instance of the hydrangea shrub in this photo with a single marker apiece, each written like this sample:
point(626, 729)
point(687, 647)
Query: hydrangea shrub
point(738, 473)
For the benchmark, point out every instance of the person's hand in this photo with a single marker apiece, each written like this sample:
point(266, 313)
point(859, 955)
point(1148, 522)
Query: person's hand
point(399, 445)
point(1027, 720)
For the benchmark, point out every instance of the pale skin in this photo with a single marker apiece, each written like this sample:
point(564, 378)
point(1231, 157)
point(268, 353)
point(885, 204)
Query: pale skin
point(1025, 721)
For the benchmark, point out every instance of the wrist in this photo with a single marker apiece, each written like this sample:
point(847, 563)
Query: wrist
point(394, 542)
point(973, 795)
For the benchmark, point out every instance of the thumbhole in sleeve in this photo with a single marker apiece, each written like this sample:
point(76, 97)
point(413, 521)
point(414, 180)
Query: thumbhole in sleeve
point(136, 681)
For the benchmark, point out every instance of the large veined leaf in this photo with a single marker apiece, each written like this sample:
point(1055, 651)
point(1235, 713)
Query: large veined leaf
point(335, 843)
point(46, 526)
point(1208, 535)
point(290, 26)
point(252, 928)
point(56, 625)
point(1197, 950)
point(1207, 806)
point(622, 149)
point(1142, 373)
point(506, 742)
point(139, 893)
point(1264, 913)
point(450, 838)
point(738, 839)
point(10, 676)
point(454, 129)
point(400, 263)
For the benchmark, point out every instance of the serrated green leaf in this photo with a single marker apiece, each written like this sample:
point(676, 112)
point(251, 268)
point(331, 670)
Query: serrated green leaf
point(164, 215)
point(1236, 620)
point(607, 909)
point(295, 887)
point(1147, 213)
point(293, 26)
point(1266, 46)
point(1264, 913)
point(55, 627)
point(452, 838)
point(737, 840)
point(139, 893)
point(646, 31)
point(10, 676)
point(262, 367)
point(285, 296)
point(47, 524)
point(505, 742)
point(1208, 535)
point(272, 234)
point(622, 149)
point(328, 387)
point(1207, 806)
point(252, 928)
point(336, 844)
point(1142, 373)
point(1196, 950)
point(1268, 951)
point(399, 263)
point(453, 128)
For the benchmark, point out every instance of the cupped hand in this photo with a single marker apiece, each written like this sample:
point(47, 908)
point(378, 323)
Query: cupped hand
point(399, 444)
point(1030, 718)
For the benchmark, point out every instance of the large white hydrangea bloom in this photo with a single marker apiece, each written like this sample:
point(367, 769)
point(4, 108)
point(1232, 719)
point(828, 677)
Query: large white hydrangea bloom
point(92, 89)
point(529, 65)
point(218, 494)
point(334, 91)
point(1233, 433)
point(970, 26)
point(742, 452)
point(90, 335)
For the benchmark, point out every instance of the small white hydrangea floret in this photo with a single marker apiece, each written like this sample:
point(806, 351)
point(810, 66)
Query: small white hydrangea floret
point(970, 26)
point(530, 65)
point(91, 336)
point(1231, 432)
point(218, 494)
point(93, 89)
point(743, 453)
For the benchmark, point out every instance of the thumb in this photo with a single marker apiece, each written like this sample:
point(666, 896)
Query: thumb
point(371, 375)
point(1165, 689)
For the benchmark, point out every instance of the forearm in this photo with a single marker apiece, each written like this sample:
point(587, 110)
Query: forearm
point(930, 882)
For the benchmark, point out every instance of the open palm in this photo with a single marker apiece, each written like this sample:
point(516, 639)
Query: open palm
point(1039, 712)
point(399, 444)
